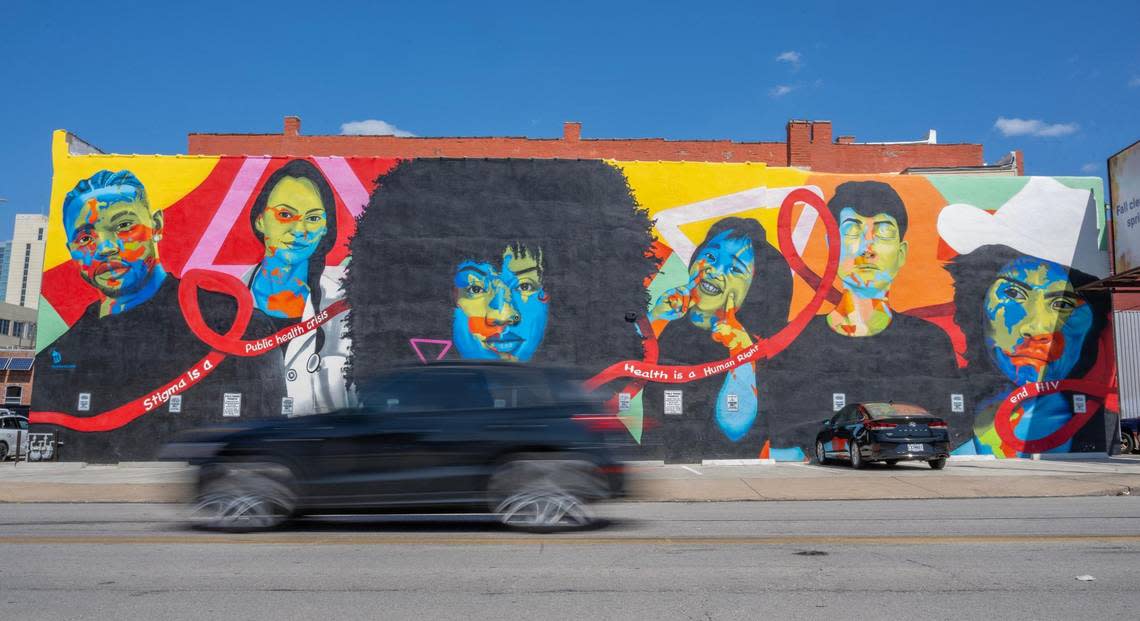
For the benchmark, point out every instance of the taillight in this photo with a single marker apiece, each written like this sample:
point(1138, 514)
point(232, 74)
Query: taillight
point(938, 424)
point(599, 422)
point(879, 425)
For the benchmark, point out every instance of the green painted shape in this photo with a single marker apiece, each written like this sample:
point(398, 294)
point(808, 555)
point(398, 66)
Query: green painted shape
point(49, 325)
point(673, 273)
point(634, 417)
point(987, 193)
point(1096, 184)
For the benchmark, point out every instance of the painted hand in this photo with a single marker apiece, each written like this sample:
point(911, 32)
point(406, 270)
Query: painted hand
point(674, 303)
point(727, 329)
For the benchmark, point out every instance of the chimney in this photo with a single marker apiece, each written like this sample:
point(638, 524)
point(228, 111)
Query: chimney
point(292, 125)
point(571, 131)
point(1020, 163)
point(799, 139)
point(821, 132)
point(845, 140)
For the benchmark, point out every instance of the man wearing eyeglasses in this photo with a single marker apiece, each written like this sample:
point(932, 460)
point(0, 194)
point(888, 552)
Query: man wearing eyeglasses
point(862, 349)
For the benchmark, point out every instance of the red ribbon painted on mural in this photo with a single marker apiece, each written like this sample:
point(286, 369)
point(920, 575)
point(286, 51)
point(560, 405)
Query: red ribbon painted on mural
point(113, 419)
point(1096, 392)
point(231, 342)
point(223, 344)
point(647, 371)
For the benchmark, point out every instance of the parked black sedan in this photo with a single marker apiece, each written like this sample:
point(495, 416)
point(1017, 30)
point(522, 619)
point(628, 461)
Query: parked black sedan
point(888, 432)
point(526, 443)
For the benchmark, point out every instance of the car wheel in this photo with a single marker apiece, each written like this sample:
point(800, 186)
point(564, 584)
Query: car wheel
point(245, 498)
point(1127, 444)
point(545, 494)
point(892, 462)
point(856, 457)
point(937, 464)
point(3, 451)
point(820, 454)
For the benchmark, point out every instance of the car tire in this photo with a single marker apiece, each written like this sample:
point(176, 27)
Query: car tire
point(856, 457)
point(1127, 444)
point(937, 464)
point(892, 462)
point(245, 497)
point(3, 451)
point(545, 494)
point(820, 454)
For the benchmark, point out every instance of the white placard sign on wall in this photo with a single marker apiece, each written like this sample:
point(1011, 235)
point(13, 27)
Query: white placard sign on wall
point(623, 401)
point(175, 404)
point(957, 403)
point(673, 402)
point(1080, 404)
point(231, 404)
point(838, 400)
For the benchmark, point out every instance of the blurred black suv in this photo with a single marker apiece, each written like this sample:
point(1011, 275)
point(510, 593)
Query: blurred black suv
point(887, 432)
point(526, 443)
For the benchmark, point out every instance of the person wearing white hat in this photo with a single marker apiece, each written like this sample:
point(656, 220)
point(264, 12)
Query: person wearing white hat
point(1016, 300)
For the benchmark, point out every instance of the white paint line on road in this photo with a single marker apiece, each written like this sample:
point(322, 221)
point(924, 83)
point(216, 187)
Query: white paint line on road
point(693, 470)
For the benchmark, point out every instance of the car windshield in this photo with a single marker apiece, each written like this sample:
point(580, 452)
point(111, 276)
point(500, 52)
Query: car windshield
point(890, 410)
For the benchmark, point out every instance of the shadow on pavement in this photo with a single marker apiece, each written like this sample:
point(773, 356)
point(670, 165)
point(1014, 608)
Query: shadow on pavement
point(432, 523)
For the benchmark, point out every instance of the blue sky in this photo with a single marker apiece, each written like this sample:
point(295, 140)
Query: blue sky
point(1059, 82)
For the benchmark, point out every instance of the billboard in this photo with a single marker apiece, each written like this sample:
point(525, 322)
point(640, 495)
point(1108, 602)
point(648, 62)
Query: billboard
point(1124, 185)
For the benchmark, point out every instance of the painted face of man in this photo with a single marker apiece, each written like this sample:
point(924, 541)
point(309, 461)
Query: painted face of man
point(294, 221)
point(872, 254)
point(726, 264)
point(114, 244)
point(500, 311)
point(1036, 323)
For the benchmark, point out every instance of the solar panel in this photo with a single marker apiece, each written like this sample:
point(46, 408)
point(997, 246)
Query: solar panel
point(4, 363)
point(21, 364)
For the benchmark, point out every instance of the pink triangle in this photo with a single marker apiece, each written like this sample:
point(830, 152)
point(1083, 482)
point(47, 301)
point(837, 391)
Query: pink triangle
point(415, 343)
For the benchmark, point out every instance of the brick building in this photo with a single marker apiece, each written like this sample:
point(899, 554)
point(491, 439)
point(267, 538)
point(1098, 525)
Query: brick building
point(808, 144)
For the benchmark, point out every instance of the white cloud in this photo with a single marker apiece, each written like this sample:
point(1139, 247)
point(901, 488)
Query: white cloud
point(1134, 82)
point(792, 57)
point(1034, 127)
point(373, 127)
point(781, 90)
point(1090, 168)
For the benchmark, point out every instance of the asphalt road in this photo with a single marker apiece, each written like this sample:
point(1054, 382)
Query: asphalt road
point(929, 559)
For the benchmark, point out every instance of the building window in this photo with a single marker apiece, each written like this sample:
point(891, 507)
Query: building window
point(18, 330)
point(40, 234)
point(5, 326)
point(13, 394)
point(24, 283)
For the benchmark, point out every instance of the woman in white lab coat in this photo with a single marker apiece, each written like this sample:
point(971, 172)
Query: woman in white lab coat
point(294, 216)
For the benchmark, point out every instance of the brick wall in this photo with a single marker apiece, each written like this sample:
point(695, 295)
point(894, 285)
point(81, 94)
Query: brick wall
point(808, 144)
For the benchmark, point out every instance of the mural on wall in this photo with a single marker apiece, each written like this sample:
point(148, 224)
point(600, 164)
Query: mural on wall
point(733, 306)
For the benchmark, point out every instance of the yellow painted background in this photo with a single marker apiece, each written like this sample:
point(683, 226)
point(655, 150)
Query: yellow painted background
point(167, 178)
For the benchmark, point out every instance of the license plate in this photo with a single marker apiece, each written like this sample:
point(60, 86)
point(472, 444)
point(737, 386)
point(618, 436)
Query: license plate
point(915, 448)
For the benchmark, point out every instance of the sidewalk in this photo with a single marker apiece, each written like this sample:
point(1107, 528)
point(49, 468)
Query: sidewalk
point(165, 482)
point(1010, 478)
